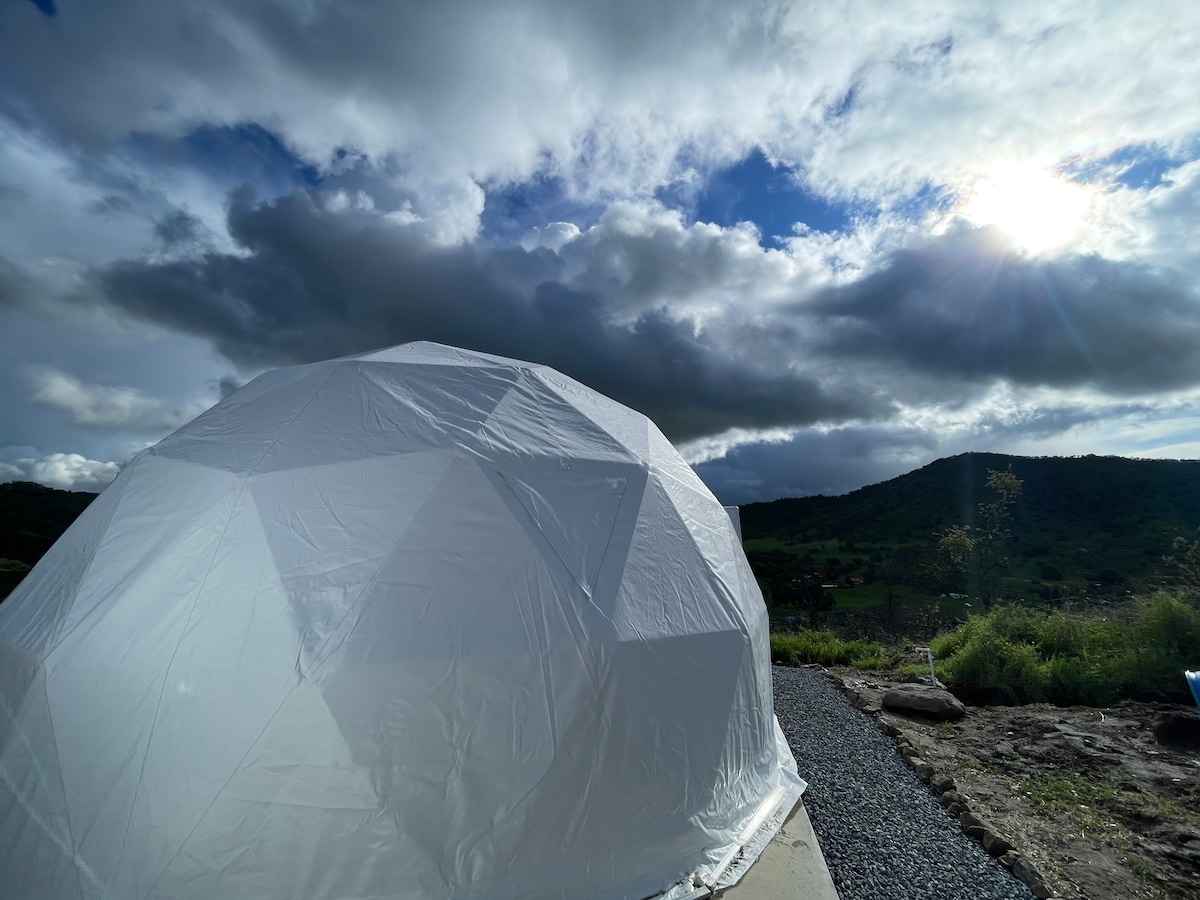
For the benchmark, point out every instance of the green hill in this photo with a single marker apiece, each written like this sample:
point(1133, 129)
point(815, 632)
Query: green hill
point(31, 519)
point(1092, 524)
point(1081, 524)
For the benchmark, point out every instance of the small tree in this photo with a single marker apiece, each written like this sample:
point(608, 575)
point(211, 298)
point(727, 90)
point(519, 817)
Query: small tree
point(980, 552)
point(1184, 560)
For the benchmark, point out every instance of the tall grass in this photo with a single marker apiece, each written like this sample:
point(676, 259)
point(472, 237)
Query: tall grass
point(1021, 655)
point(826, 649)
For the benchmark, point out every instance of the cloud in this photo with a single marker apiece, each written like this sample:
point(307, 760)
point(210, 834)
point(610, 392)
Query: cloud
point(15, 286)
point(179, 227)
point(104, 407)
point(617, 98)
point(640, 306)
point(817, 461)
point(65, 471)
point(698, 326)
point(1005, 419)
point(963, 306)
point(227, 385)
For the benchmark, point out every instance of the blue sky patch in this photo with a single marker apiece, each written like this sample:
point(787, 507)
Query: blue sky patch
point(1136, 166)
point(930, 198)
point(251, 152)
point(755, 191)
point(233, 155)
point(510, 211)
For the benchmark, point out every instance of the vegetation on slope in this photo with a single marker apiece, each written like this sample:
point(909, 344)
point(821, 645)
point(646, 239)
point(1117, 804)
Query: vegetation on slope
point(1068, 549)
point(826, 649)
point(31, 519)
point(1022, 655)
point(1080, 527)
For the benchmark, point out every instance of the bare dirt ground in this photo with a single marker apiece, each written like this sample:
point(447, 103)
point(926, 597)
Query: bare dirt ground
point(1104, 802)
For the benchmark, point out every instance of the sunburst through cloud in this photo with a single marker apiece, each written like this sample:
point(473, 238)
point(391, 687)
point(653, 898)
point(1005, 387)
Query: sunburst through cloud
point(1039, 210)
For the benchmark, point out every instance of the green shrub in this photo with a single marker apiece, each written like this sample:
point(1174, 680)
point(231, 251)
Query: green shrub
point(1022, 655)
point(1165, 640)
point(826, 649)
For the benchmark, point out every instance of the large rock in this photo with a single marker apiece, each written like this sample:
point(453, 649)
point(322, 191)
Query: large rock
point(930, 701)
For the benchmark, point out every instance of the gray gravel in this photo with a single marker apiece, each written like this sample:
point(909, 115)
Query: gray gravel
point(883, 833)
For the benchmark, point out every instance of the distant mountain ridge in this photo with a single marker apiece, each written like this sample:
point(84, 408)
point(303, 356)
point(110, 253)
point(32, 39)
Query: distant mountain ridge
point(1100, 513)
point(1121, 512)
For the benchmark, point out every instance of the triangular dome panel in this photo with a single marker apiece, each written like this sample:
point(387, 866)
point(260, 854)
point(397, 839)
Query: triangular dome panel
point(428, 408)
point(31, 770)
point(330, 528)
point(36, 611)
point(532, 420)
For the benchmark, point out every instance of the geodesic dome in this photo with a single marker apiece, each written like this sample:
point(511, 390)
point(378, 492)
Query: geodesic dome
point(416, 623)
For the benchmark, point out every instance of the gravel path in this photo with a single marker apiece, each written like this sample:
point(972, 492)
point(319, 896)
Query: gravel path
point(884, 835)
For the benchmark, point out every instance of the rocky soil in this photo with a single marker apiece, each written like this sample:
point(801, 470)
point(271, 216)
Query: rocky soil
point(1101, 803)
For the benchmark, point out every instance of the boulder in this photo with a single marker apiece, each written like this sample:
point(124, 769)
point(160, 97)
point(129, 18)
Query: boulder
point(951, 797)
point(970, 820)
point(1023, 870)
point(934, 702)
point(942, 783)
point(995, 844)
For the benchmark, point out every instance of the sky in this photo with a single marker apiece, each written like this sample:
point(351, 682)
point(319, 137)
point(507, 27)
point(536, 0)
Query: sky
point(819, 244)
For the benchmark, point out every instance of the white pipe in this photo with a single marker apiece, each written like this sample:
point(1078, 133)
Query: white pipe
point(932, 674)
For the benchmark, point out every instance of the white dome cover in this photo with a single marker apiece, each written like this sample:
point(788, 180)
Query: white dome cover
point(416, 623)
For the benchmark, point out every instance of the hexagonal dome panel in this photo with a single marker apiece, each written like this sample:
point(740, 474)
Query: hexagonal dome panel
point(416, 623)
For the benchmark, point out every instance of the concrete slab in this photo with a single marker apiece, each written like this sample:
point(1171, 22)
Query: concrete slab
point(791, 866)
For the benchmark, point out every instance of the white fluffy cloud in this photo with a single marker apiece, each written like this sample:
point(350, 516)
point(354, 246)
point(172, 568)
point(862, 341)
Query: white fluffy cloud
point(65, 471)
point(107, 407)
point(871, 99)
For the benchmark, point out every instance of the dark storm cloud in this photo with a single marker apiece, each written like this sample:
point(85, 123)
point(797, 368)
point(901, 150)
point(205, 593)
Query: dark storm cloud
point(834, 461)
point(963, 307)
point(227, 386)
point(942, 322)
point(16, 287)
point(315, 284)
point(178, 227)
point(827, 462)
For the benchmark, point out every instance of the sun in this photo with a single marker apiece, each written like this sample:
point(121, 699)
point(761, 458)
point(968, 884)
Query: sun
point(1040, 211)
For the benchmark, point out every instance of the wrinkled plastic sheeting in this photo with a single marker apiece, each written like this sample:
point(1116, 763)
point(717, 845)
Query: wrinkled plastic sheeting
point(735, 516)
point(417, 623)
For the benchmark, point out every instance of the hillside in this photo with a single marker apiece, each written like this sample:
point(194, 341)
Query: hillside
point(31, 519)
point(1080, 521)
